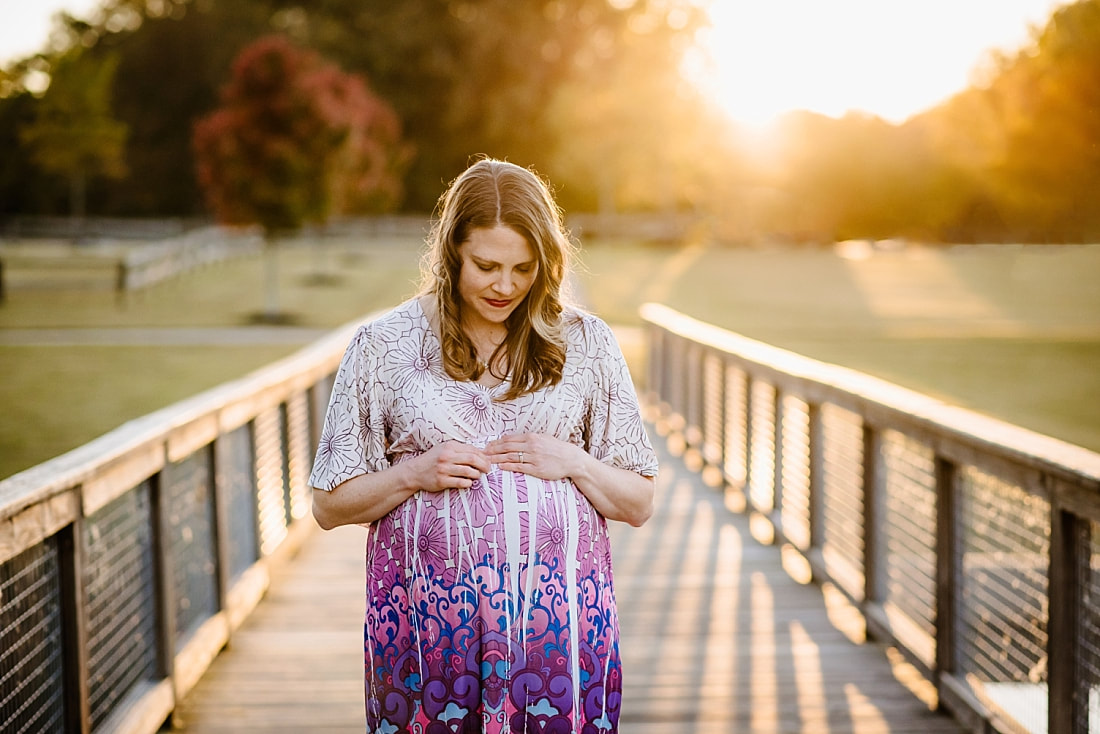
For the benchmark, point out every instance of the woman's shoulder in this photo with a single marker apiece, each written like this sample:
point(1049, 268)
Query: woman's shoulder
point(585, 328)
point(399, 323)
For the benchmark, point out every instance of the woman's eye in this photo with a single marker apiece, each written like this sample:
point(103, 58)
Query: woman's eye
point(485, 268)
point(525, 268)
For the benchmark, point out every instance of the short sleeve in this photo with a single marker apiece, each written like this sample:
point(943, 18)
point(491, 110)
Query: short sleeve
point(615, 432)
point(353, 436)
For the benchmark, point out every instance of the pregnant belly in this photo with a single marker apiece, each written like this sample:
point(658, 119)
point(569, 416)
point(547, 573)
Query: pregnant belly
point(506, 520)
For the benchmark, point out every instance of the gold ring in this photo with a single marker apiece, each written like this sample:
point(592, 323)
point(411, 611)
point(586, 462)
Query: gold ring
point(521, 457)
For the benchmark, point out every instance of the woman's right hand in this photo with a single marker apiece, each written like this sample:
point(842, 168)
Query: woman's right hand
point(450, 465)
point(368, 497)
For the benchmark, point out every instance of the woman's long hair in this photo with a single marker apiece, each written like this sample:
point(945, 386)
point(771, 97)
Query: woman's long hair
point(487, 194)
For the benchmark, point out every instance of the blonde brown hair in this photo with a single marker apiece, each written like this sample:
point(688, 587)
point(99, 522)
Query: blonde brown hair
point(487, 194)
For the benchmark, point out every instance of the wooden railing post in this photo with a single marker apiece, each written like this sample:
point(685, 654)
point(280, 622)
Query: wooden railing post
point(693, 434)
point(163, 575)
point(817, 476)
point(74, 630)
point(221, 527)
point(777, 464)
point(723, 408)
point(872, 490)
point(946, 576)
point(1065, 708)
point(750, 428)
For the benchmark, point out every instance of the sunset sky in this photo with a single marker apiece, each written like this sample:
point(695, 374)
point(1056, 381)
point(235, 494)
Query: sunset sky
point(892, 58)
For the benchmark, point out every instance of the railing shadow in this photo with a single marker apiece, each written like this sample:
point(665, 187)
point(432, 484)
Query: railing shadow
point(720, 634)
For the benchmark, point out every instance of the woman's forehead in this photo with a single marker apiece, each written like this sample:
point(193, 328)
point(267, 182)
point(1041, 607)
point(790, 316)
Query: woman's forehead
point(500, 244)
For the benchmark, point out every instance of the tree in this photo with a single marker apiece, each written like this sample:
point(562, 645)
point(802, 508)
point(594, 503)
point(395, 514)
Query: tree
point(1023, 141)
point(463, 76)
point(73, 133)
point(494, 76)
point(1051, 170)
point(296, 140)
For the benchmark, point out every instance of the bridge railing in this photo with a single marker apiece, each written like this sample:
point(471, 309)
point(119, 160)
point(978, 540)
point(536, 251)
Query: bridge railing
point(971, 545)
point(127, 563)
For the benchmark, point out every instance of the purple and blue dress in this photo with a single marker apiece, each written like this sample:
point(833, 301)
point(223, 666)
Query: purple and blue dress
point(490, 609)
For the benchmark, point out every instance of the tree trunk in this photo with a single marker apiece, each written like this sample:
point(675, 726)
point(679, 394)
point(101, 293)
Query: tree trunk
point(77, 202)
point(272, 314)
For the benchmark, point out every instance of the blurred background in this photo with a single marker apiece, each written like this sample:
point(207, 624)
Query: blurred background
point(907, 189)
point(796, 121)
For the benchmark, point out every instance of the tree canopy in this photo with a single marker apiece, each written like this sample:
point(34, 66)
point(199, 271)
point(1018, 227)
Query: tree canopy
point(590, 92)
point(296, 140)
point(73, 133)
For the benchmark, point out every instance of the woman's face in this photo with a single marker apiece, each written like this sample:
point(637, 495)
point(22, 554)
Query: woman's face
point(497, 271)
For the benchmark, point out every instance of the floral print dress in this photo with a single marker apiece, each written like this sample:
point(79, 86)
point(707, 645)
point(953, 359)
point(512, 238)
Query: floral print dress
point(488, 609)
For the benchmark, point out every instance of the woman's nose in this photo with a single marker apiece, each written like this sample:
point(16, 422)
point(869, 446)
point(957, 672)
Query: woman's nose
point(504, 285)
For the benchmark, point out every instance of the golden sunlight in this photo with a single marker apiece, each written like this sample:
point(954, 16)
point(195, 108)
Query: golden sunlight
point(762, 58)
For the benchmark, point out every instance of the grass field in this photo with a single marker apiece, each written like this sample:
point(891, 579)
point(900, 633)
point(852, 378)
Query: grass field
point(1012, 332)
point(58, 395)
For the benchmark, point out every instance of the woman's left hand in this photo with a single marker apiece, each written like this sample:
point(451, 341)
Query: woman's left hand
point(537, 454)
point(617, 494)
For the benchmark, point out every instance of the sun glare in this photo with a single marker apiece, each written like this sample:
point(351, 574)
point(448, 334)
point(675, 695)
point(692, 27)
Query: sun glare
point(762, 58)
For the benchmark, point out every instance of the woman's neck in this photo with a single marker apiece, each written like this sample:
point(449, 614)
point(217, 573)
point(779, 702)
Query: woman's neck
point(485, 337)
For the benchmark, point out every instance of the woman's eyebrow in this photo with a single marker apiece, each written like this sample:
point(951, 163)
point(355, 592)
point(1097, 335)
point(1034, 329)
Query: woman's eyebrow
point(483, 261)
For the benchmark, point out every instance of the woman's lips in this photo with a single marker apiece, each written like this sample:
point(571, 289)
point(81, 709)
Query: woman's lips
point(498, 304)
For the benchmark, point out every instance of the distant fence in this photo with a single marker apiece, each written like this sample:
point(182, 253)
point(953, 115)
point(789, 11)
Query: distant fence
point(143, 266)
point(414, 226)
point(671, 228)
point(92, 228)
point(124, 269)
point(126, 564)
point(172, 247)
point(970, 544)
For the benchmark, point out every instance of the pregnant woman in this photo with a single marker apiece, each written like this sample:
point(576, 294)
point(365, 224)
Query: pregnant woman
point(485, 431)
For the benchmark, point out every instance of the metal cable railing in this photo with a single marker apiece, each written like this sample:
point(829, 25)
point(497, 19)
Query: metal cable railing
point(126, 564)
point(971, 545)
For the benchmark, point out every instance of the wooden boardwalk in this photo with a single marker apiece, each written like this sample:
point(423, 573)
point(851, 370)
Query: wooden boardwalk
point(718, 637)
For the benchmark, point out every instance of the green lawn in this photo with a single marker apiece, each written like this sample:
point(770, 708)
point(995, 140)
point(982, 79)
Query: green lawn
point(1012, 332)
point(57, 397)
point(321, 287)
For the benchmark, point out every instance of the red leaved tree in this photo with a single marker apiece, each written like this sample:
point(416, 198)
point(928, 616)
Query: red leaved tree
point(295, 141)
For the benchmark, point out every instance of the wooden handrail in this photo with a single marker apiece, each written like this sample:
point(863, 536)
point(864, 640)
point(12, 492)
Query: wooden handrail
point(167, 525)
point(971, 544)
point(885, 401)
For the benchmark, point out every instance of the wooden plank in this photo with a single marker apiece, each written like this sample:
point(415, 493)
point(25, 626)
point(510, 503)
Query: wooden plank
point(143, 711)
point(296, 663)
point(36, 523)
point(192, 436)
point(121, 475)
point(193, 660)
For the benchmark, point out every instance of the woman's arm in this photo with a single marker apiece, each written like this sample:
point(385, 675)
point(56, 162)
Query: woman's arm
point(617, 494)
point(369, 497)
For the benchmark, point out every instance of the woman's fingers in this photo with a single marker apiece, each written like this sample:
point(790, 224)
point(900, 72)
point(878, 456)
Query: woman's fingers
point(456, 466)
point(511, 444)
point(470, 456)
point(511, 452)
